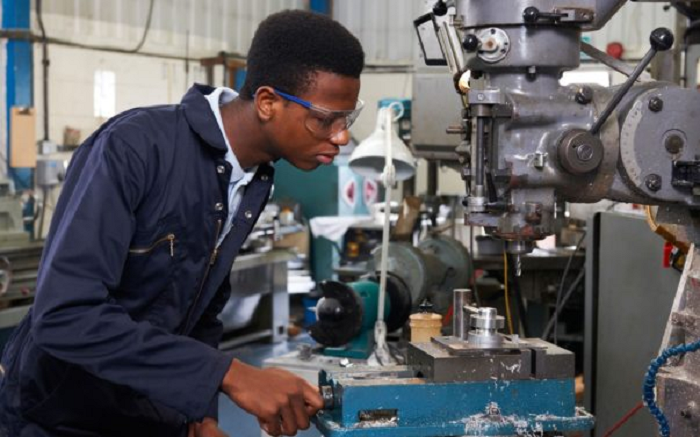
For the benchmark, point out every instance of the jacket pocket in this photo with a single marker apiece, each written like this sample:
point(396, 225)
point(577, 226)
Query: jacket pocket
point(149, 277)
point(168, 239)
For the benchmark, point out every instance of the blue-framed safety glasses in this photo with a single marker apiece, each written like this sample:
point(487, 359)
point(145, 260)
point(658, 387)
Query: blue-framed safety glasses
point(325, 123)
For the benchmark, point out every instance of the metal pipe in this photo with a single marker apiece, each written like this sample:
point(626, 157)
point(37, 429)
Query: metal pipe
point(460, 322)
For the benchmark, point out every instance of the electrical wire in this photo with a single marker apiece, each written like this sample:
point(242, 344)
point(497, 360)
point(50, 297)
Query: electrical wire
point(560, 307)
point(649, 394)
point(624, 419)
point(561, 287)
point(505, 287)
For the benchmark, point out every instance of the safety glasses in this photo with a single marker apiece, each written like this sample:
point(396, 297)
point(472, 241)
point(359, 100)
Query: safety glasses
point(325, 123)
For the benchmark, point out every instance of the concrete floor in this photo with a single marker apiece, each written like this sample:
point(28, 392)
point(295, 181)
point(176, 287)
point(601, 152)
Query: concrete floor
point(236, 422)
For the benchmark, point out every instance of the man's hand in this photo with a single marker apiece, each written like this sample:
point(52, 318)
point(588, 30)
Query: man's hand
point(206, 428)
point(282, 402)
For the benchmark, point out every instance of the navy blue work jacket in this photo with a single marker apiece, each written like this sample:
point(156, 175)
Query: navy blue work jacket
point(121, 340)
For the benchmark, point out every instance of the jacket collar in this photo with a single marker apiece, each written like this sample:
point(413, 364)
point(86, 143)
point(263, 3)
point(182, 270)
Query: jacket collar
point(200, 117)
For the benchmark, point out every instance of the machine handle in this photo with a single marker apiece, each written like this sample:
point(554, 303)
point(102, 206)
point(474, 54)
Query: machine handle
point(532, 15)
point(661, 39)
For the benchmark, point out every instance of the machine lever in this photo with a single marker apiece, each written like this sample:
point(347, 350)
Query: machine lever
point(532, 15)
point(661, 40)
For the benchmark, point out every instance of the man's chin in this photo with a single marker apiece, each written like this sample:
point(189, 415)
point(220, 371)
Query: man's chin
point(305, 166)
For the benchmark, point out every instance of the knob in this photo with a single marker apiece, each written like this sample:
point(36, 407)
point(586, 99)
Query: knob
point(661, 39)
point(531, 14)
point(440, 8)
point(471, 43)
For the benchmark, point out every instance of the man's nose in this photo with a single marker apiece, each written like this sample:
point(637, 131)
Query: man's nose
point(341, 138)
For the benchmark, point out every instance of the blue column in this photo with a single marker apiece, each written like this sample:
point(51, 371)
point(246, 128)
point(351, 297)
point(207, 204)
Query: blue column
point(19, 78)
point(320, 6)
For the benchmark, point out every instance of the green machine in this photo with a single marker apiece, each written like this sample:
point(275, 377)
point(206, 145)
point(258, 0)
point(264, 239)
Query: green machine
point(346, 315)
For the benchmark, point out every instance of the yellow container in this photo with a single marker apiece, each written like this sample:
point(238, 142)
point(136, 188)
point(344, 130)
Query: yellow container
point(425, 326)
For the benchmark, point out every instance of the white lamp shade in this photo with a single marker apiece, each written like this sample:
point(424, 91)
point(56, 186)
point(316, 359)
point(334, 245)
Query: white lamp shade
point(368, 159)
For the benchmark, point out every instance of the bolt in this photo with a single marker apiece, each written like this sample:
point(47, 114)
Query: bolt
point(539, 160)
point(653, 182)
point(656, 104)
point(674, 144)
point(584, 152)
point(584, 95)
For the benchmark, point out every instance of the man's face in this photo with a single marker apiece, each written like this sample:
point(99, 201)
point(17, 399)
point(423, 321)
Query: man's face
point(308, 137)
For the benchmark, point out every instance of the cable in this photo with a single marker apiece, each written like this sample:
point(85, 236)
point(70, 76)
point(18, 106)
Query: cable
point(505, 286)
point(560, 307)
point(561, 286)
point(650, 383)
point(624, 419)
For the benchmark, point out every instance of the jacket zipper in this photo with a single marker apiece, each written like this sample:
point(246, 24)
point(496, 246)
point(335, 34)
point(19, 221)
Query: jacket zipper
point(143, 250)
point(212, 260)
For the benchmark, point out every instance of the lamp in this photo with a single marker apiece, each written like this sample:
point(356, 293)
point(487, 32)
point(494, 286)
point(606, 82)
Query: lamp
point(369, 158)
point(383, 156)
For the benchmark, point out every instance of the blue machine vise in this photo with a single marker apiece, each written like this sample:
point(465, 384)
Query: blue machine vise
point(453, 387)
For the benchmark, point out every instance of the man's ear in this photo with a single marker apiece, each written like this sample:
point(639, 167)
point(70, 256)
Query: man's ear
point(266, 103)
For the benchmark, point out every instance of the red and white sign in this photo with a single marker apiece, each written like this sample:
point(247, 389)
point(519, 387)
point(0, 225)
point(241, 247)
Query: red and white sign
point(349, 193)
point(370, 191)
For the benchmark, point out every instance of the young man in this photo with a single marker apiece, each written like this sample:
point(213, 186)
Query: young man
point(121, 340)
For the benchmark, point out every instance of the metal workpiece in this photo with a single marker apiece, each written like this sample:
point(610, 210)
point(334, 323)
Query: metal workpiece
point(449, 359)
point(484, 325)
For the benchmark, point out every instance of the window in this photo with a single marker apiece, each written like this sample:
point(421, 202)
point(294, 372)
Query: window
point(105, 93)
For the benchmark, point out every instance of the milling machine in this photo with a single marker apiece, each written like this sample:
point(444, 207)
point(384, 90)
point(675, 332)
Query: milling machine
point(528, 142)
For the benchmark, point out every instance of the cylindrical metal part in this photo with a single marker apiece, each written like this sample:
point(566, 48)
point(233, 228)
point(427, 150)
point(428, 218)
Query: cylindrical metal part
point(485, 323)
point(460, 322)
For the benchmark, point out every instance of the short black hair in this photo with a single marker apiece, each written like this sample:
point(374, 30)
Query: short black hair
point(290, 46)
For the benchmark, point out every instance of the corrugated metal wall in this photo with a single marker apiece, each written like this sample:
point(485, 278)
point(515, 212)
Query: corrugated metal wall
point(385, 28)
point(213, 25)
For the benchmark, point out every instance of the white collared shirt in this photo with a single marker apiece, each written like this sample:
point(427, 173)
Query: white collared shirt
point(240, 178)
